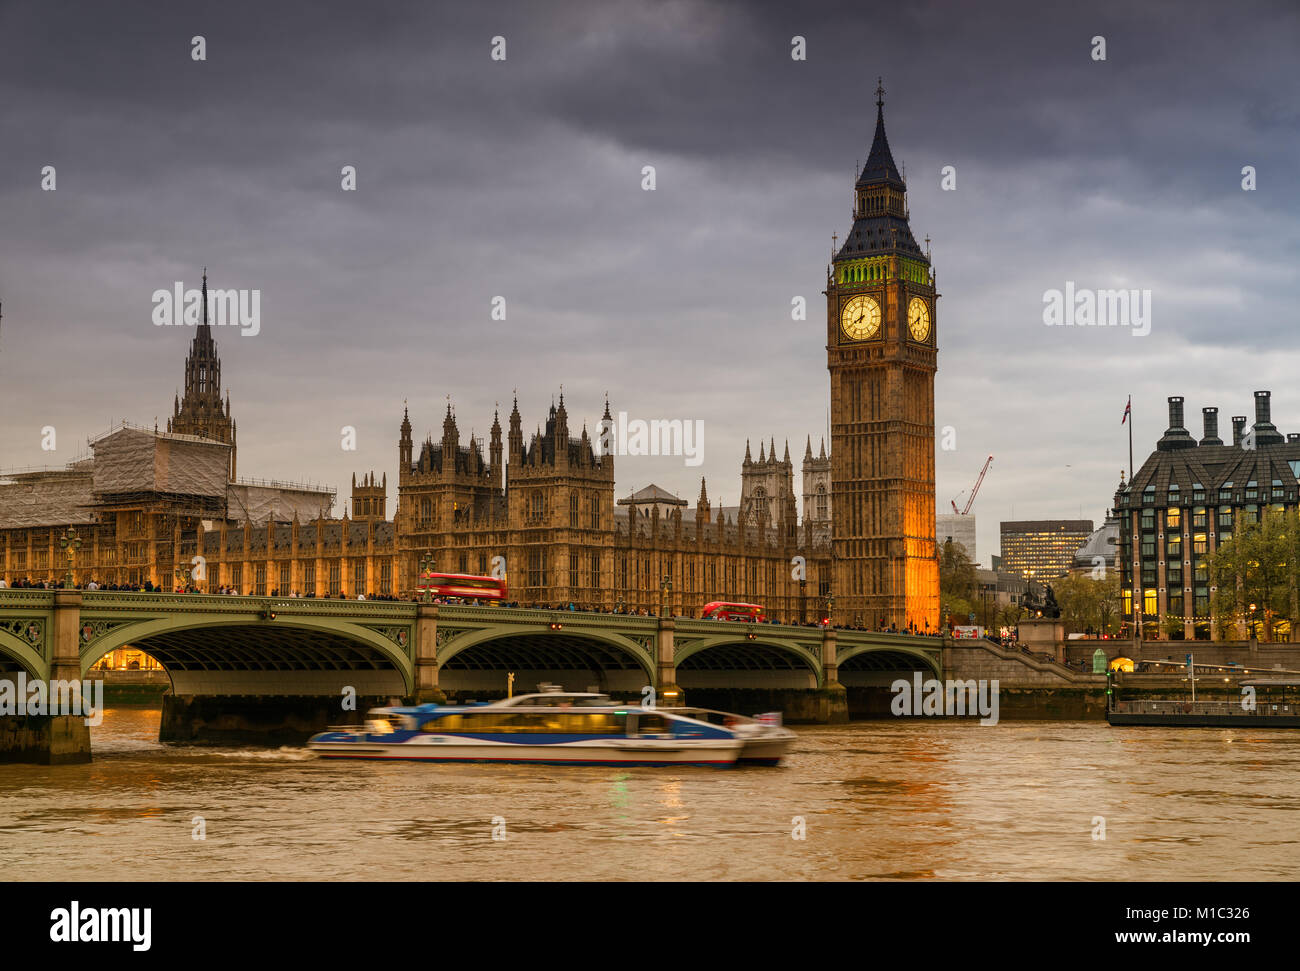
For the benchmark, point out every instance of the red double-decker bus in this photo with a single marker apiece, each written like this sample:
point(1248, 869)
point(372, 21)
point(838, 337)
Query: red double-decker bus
point(722, 610)
point(463, 585)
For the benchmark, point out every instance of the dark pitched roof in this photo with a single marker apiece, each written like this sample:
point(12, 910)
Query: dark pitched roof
point(880, 167)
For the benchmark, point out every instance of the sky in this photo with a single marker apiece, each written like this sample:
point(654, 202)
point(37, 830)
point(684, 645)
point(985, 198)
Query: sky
point(522, 178)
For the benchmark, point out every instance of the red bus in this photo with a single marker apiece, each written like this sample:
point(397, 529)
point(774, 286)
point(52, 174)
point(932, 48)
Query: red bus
point(463, 585)
point(721, 610)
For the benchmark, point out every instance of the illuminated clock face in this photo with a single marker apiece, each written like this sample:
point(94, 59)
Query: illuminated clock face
point(860, 318)
point(918, 319)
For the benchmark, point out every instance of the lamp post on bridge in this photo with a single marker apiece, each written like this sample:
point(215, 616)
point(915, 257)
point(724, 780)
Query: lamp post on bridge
point(426, 566)
point(665, 588)
point(70, 543)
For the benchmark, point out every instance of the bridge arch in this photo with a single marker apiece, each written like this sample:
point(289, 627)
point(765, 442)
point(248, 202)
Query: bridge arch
point(16, 654)
point(291, 655)
point(576, 658)
point(871, 663)
point(723, 660)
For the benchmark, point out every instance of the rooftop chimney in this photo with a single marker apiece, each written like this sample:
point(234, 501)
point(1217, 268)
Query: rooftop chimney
point(1210, 424)
point(1265, 431)
point(1238, 426)
point(1176, 436)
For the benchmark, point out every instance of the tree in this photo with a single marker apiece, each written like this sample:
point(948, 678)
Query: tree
point(1255, 572)
point(958, 587)
point(1108, 595)
point(1088, 605)
point(1011, 615)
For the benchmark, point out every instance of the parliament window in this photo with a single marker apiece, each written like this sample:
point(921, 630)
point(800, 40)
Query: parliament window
point(1173, 517)
point(537, 568)
point(573, 511)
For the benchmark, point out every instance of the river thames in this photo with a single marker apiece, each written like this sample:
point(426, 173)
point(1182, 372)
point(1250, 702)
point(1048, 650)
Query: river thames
point(878, 800)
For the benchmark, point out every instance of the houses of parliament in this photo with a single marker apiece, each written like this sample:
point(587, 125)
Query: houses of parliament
point(149, 504)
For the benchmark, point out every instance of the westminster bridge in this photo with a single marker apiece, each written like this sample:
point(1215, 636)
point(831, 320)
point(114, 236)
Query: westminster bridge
point(278, 666)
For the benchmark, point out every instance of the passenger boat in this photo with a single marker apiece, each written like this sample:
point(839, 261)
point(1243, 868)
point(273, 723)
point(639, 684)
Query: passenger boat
point(557, 728)
point(766, 741)
point(1274, 706)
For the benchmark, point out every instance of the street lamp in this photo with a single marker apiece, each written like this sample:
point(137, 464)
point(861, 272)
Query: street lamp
point(70, 543)
point(665, 589)
point(426, 566)
point(830, 610)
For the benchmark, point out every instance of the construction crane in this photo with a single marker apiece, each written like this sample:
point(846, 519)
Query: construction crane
point(971, 500)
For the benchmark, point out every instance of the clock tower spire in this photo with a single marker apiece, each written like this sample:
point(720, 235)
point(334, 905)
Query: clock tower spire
point(881, 352)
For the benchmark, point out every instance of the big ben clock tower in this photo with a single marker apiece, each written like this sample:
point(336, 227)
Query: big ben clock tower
point(881, 351)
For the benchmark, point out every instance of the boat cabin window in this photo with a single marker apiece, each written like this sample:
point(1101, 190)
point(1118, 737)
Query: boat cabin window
point(651, 724)
point(556, 722)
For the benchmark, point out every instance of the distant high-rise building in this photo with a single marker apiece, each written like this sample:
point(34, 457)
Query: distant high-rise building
point(959, 529)
point(1042, 549)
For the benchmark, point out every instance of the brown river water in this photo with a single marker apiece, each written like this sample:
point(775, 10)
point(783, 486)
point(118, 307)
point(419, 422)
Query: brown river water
point(916, 800)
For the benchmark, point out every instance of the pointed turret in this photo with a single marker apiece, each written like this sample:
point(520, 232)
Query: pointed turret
point(879, 204)
point(199, 411)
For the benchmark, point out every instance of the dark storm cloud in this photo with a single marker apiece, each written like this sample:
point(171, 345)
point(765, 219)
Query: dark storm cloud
point(522, 179)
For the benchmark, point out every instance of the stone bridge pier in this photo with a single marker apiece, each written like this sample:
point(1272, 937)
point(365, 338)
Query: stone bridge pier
point(50, 739)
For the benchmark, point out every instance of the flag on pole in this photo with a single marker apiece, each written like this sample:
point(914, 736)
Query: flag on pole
point(1127, 409)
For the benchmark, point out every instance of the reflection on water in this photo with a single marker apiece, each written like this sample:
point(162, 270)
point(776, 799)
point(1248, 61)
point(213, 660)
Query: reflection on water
point(879, 800)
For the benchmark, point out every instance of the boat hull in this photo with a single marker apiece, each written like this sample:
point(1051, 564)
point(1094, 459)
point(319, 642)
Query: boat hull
point(721, 753)
point(767, 751)
point(1202, 720)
